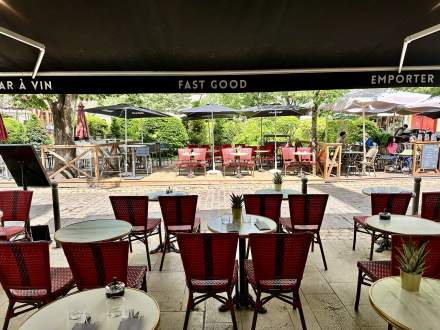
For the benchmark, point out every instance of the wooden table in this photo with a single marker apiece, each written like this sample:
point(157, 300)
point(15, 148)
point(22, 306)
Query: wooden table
point(243, 299)
point(54, 316)
point(407, 310)
point(385, 190)
point(93, 231)
point(285, 192)
point(154, 196)
point(404, 225)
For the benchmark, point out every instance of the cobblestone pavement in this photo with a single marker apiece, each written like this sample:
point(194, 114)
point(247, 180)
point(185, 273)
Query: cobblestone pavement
point(327, 296)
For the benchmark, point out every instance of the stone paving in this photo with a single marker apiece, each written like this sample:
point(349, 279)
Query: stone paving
point(327, 296)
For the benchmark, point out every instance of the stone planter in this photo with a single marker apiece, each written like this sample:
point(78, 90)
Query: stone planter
point(410, 281)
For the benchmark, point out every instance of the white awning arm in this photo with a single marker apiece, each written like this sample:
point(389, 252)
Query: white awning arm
point(29, 42)
point(413, 37)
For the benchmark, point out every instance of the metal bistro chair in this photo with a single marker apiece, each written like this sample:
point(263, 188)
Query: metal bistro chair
point(144, 154)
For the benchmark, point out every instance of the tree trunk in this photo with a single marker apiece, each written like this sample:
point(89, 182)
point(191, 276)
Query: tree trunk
point(314, 129)
point(63, 131)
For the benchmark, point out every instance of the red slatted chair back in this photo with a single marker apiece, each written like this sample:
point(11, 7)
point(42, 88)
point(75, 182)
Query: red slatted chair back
point(432, 259)
point(279, 256)
point(266, 205)
point(192, 146)
point(25, 266)
point(307, 209)
point(431, 206)
point(270, 148)
point(178, 210)
point(287, 153)
point(15, 204)
point(254, 151)
point(94, 265)
point(248, 155)
point(184, 154)
point(208, 256)
point(200, 154)
point(306, 158)
point(393, 203)
point(133, 209)
point(227, 155)
point(226, 146)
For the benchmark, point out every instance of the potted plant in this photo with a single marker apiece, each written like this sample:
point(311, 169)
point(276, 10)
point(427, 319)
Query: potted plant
point(412, 263)
point(236, 206)
point(277, 181)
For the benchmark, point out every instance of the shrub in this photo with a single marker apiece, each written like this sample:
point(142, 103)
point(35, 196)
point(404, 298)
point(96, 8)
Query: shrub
point(35, 133)
point(197, 131)
point(16, 131)
point(354, 130)
point(97, 126)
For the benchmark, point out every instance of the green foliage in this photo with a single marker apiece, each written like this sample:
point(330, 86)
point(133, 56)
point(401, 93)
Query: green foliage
point(35, 133)
point(354, 130)
point(97, 126)
point(236, 201)
point(277, 178)
point(197, 131)
point(412, 258)
point(16, 131)
point(117, 128)
point(383, 139)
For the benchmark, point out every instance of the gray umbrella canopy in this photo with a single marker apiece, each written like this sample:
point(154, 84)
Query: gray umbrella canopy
point(126, 111)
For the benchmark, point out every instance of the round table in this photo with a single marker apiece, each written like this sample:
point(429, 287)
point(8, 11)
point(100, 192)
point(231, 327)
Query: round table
point(237, 155)
point(404, 225)
point(285, 192)
point(154, 196)
point(260, 153)
point(407, 310)
point(93, 231)
point(243, 299)
point(55, 315)
point(385, 190)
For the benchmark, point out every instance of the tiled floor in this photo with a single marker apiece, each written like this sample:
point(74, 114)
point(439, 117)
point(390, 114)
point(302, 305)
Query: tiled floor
point(327, 296)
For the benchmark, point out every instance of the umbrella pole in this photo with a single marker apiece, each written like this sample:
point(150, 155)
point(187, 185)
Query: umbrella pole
point(261, 131)
point(213, 171)
point(126, 150)
point(275, 169)
point(364, 148)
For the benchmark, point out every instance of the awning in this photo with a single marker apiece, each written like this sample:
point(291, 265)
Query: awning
point(194, 46)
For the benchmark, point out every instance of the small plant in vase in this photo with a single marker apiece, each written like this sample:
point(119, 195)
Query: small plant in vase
point(236, 206)
point(412, 264)
point(277, 181)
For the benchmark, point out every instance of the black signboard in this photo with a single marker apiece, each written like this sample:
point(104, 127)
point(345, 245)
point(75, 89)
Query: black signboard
point(215, 83)
point(430, 155)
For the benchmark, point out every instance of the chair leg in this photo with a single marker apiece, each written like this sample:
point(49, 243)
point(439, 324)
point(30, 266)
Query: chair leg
point(373, 235)
point(322, 250)
point(129, 240)
point(167, 243)
point(144, 283)
point(189, 307)
point(231, 307)
point(355, 227)
point(160, 236)
point(257, 307)
point(358, 291)
point(147, 250)
point(300, 311)
point(8, 315)
point(247, 250)
point(390, 326)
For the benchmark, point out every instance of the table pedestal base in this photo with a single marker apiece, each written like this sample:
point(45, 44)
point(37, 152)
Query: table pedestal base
point(160, 248)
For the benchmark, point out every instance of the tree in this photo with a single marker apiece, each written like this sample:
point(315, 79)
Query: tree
point(197, 131)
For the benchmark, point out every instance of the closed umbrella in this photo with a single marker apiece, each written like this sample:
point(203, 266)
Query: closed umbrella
point(126, 111)
point(210, 111)
point(3, 132)
point(81, 129)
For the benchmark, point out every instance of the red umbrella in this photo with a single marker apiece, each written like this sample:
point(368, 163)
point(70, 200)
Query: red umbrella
point(3, 132)
point(81, 130)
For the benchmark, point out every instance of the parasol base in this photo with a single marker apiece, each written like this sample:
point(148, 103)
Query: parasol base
point(213, 172)
point(274, 170)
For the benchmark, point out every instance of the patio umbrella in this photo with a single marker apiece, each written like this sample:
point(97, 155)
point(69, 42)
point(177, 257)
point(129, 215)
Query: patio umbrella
point(126, 111)
point(271, 110)
point(3, 131)
point(81, 129)
point(210, 111)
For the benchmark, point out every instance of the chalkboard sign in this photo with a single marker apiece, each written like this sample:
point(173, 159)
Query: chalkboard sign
point(430, 156)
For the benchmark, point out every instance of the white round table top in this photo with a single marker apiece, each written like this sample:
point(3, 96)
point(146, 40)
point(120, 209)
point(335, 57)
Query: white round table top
point(215, 225)
point(385, 190)
point(154, 196)
point(93, 231)
point(405, 225)
point(285, 192)
point(405, 309)
point(239, 153)
point(261, 151)
point(54, 316)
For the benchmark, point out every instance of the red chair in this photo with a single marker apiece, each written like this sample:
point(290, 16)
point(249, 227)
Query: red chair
point(179, 216)
point(183, 159)
point(192, 146)
point(371, 271)
point(393, 203)
point(28, 279)
point(210, 268)
point(289, 159)
point(268, 157)
point(225, 146)
point(16, 205)
point(277, 268)
point(306, 214)
point(266, 205)
point(228, 159)
point(94, 265)
point(246, 161)
point(200, 158)
point(306, 160)
point(134, 209)
point(431, 206)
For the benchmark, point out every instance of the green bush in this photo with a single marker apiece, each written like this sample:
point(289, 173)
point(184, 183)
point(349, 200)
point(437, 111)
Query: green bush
point(117, 128)
point(97, 126)
point(16, 131)
point(354, 130)
point(197, 131)
point(35, 133)
point(383, 139)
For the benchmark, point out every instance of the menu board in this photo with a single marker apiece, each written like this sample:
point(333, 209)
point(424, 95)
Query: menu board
point(430, 156)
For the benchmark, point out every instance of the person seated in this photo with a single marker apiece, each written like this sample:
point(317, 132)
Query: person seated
point(391, 146)
point(391, 157)
point(401, 130)
point(369, 143)
point(341, 138)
